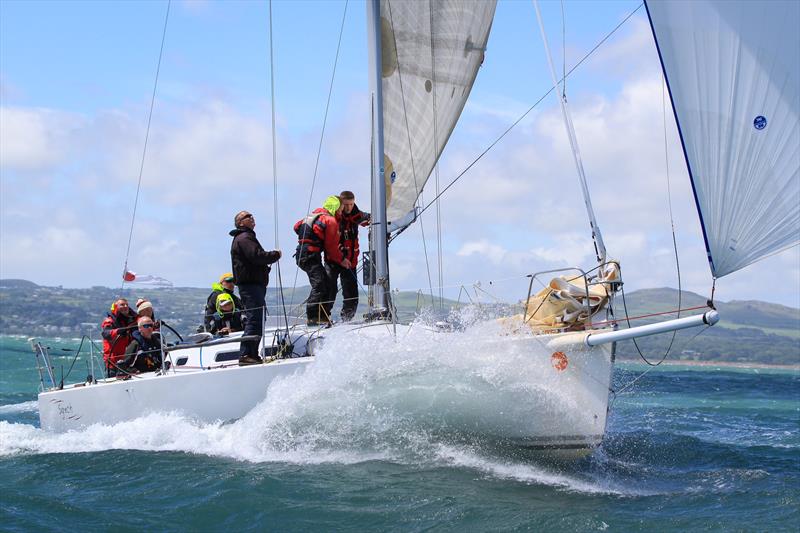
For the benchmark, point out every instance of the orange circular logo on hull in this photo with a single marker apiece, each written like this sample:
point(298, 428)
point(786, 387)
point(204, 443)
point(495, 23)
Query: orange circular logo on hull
point(559, 360)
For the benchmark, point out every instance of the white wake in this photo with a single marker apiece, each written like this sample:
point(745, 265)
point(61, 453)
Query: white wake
point(415, 401)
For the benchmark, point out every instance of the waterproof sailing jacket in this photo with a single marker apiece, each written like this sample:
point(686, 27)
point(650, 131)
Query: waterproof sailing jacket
point(211, 303)
point(348, 226)
point(249, 260)
point(316, 232)
point(232, 319)
point(143, 354)
point(117, 329)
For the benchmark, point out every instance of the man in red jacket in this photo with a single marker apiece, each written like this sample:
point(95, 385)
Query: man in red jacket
point(319, 232)
point(117, 328)
point(350, 218)
point(251, 267)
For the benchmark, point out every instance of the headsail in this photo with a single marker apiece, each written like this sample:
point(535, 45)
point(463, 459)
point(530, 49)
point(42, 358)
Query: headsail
point(431, 52)
point(733, 70)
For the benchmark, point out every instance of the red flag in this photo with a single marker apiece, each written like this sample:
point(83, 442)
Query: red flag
point(145, 279)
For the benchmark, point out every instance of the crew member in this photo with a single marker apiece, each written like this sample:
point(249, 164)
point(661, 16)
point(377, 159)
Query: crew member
point(117, 328)
point(316, 233)
point(227, 318)
point(143, 354)
point(144, 307)
point(251, 267)
point(350, 218)
point(224, 286)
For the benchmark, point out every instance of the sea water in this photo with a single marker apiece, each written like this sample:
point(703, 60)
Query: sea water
point(366, 443)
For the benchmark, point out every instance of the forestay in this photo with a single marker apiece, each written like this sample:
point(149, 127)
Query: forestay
point(431, 52)
point(732, 69)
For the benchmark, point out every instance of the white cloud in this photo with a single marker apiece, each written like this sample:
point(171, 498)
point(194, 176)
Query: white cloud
point(34, 139)
point(567, 249)
point(50, 253)
point(483, 248)
point(517, 211)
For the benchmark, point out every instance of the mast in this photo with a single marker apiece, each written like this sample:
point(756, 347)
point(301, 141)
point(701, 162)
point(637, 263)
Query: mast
point(378, 227)
point(599, 246)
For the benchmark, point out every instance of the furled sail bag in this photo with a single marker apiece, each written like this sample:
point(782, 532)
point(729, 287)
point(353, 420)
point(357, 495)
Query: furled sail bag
point(566, 303)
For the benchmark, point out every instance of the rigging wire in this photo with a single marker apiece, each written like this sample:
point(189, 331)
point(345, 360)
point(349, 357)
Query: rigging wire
point(146, 138)
point(440, 256)
point(597, 238)
point(425, 251)
point(275, 165)
point(408, 135)
point(322, 134)
point(563, 51)
point(674, 239)
point(652, 367)
point(531, 108)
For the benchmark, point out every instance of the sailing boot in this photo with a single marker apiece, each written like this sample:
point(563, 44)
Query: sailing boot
point(250, 360)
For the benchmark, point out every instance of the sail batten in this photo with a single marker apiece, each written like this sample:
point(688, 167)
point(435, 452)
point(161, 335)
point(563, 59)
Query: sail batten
point(431, 53)
point(733, 72)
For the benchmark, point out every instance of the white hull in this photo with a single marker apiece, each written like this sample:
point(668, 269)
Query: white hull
point(545, 407)
point(221, 394)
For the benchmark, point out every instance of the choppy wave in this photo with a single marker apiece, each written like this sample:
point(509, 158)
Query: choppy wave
point(246, 441)
point(531, 473)
point(404, 404)
point(24, 407)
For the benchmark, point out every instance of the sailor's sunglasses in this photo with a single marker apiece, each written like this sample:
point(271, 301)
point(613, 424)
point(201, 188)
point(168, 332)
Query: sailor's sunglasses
point(146, 326)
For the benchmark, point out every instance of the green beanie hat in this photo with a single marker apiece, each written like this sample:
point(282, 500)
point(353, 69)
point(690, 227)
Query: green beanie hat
point(332, 204)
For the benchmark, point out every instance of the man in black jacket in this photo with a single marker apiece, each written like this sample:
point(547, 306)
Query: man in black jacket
point(251, 274)
point(143, 354)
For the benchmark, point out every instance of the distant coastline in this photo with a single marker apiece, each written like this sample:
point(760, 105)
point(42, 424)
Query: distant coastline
point(750, 334)
point(669, 364)
point(721, 364)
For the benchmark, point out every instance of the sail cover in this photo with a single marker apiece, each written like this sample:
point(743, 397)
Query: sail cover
point(431, 51)
point(733, 72)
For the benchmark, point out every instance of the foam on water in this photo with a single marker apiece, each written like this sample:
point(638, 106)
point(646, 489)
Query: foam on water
point(24, 407)
point(413, 401)
point(683, 451)
point(531, 473)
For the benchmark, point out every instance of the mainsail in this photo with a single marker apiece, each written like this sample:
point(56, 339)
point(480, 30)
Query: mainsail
point(431, 52)
point(733, 71)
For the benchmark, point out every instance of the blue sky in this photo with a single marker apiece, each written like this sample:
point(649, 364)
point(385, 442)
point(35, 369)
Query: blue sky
point(75, 86)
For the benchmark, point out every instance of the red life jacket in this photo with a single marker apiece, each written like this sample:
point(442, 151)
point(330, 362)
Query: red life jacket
point(115, 343)
point(316, 232)
point(310, 241)
point(349, 230)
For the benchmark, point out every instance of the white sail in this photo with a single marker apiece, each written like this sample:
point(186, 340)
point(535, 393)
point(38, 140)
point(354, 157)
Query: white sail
point(733, 70)
point(431, 52)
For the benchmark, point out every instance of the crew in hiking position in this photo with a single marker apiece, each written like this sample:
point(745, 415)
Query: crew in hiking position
point(117, 328)
point(316, 233)
point(251, 267)
point(350, 218)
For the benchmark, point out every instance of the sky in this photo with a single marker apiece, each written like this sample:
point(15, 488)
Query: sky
point(76, 81)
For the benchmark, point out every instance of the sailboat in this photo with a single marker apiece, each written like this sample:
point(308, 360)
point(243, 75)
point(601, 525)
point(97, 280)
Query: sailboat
point(739, 131)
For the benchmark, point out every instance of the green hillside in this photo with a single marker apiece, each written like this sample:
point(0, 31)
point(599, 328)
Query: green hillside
point(749, 331)
point(30, 309)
